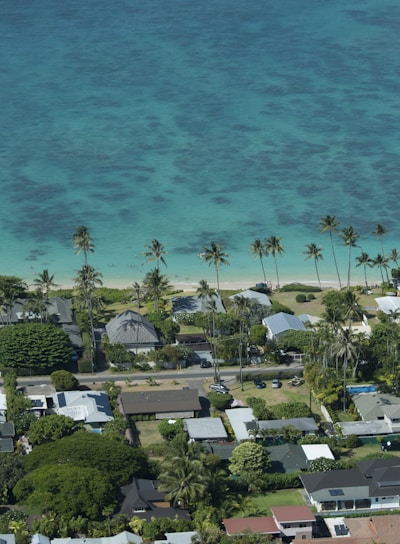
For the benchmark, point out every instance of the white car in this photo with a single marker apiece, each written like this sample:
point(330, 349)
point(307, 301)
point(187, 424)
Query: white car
point(276, 384)
point(219, 388)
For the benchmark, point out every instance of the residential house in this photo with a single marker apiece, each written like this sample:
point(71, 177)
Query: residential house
point(181, 403)
point(7, 434)
point(206, 429)
point(374, 485)
point(260, 298)
point(92, 408)
point(192, 304)
point(197, 342)
point(306, 425)
point(185, 537)
point(239, 419)
point(7, 538)
point(144, 499)
point(3, 406)
point(121, 538)
point(280, 323)
point(287, 458)
point(285, 522)
point(383, 407)
point(134, 331)
point(389, 305)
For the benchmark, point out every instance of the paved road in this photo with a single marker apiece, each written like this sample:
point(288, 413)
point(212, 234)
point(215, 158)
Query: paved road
point(192, 374)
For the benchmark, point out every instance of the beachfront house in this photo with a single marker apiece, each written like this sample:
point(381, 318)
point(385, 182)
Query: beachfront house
point(249, 294)
point(134, 331)
point(192, 304)
point(280, 323)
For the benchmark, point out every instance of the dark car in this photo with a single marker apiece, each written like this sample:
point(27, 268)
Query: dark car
point(259, 383)
point(390, 445)
point(205, 364)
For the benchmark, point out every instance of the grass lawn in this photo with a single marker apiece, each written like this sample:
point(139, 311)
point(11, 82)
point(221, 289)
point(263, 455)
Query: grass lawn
point(148, 433)
point(283, 497)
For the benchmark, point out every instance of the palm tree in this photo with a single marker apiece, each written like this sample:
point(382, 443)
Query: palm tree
point(83, 242)
point(86, 282)
point(349, 237)
point(329, 224)
point(258, 250)
point(215, 255)
point(185, 481)
point(381, 262)
point(156, 285)
point(208, 295)
point(379, 232)
point(45, 281)
point(394, 256)
point(240, 308)
point(314, 252)
point(35, 307)
point(346, 349)
point(351, 307)
point(364, 260)
point(155, 251)
point(273, 245)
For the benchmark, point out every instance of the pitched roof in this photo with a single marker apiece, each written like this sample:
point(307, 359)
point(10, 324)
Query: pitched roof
point(184, 537)
point(364, 428)
point(151, 402)
point(296, 513)
point(86, 406)
point(281, 322)
point(388, 304)
point(192, 303)
point(206, 428)
point(315, 451)
point(303, 424)
point(131, 328)
point(121, 538)
point(261, 525)
point(287, 458)
point(238, 418)
point(261, 298)
point(374, 405)
point(59, 310)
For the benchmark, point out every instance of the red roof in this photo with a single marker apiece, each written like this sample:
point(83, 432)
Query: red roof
point(287, 514)
point(261, 525)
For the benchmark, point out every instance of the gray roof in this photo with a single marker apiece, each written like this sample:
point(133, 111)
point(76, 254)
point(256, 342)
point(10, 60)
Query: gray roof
point(282, 322)
point(87, 406)
point(8, 538)
point(303, 424)
point(74, 333)
point(59, 310)
point(157, 402)
point(122, 538)
point(374, 405)
point(7, 429)
point(388, 304)
point(364, 428)
point(6, 445)
point(178, 538)
point(238, 418)
point(261, 298)
point(287, 458)
point(192, 304)
point(131, 328)
point(206, 428)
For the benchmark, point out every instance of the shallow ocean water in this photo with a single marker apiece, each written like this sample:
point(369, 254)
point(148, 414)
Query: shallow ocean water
point(191, 122)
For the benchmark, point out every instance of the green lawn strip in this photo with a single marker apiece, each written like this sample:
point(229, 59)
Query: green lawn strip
point(285, 497)
point(148, 432)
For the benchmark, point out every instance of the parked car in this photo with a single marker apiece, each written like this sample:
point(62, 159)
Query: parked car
point(253, 350)
point(218, 388)
point(259, 383)
point(276, 384)
point(205, 364)
point(390, 445)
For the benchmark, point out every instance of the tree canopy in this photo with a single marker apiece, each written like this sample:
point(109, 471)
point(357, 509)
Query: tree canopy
point(42, 347)
point(249, 461)
point(52, 427)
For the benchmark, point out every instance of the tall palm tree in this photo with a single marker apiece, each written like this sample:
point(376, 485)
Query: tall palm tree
point(155, 252)
point(314, 252)
point(156, 285)
point(185, 481)
point(35, 307)
point(364, 260)
point(86, 283)
point(241, 309)
point(394, 256)
point(83, 242)
point(45, 282)
point(351, 307)
point(329, 224)
point(349, 237)
point(273, 245)
point(208, 296)
point(346, 349)
point(214, 255)
point(379, 232)
point(258, 250)
point(381, 262)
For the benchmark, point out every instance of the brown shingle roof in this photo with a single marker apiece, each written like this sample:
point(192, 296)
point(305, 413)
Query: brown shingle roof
point(151, 402)
point(285, 514)
point(261, 525)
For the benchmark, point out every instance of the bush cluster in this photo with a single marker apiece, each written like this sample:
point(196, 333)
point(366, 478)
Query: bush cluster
point(300, 287)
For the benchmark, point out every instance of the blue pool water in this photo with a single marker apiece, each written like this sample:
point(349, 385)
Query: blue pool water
point(188, 122)
point(355, 389)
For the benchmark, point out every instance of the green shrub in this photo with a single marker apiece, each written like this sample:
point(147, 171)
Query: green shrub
point(278, 307)
point(300, 287)
point(311, 297)
point(301, 297)
point(220, 401)
point(282, 481)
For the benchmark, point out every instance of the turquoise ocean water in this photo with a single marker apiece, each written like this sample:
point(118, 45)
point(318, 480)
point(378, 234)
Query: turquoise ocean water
point(188, 122)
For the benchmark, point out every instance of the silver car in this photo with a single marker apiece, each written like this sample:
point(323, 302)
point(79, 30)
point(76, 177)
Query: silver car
point(218, 388)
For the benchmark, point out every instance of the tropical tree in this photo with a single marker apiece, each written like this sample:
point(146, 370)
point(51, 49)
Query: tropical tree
point(249, 461)
point(35, 308)
point(314, 252)
point(379, 232)
point(208, 295)
point(45, 281)
point(349, 237)
point(240, 308)
point(364, 260)
point(345, 348)
point(156, 285)
point(273, 245)
point(185, 481)
point(257, 249)
point(83, 242)
point(214, 255)
point(394, 256)
point(86, 283)
point(155, 252)
point(11, 288)
point(381, 262)
point(330, 224)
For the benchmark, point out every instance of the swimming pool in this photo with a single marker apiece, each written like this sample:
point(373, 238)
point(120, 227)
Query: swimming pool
point(355, 389)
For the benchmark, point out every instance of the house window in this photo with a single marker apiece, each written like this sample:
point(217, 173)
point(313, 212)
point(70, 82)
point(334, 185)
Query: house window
point(139, 509)
point(286, 525)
